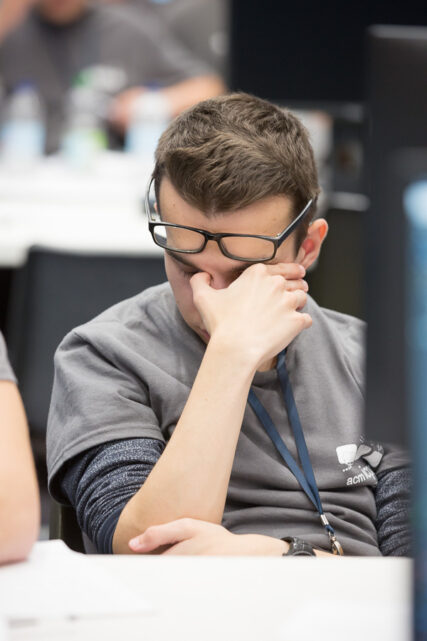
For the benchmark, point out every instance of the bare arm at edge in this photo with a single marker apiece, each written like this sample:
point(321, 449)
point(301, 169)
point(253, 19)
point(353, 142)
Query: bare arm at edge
point(19, 496)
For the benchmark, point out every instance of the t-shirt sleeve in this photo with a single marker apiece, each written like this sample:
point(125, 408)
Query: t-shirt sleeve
point(97, 397)
point(354, 349)
point(394, 457)
point(6, 372)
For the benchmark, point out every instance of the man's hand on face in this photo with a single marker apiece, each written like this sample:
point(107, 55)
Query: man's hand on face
point(259, 313)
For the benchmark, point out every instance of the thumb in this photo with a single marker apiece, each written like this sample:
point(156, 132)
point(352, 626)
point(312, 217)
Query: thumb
point(167, 534)
point(200, 283)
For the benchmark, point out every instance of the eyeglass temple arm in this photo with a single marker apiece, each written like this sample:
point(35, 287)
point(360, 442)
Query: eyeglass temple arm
point(298, 219)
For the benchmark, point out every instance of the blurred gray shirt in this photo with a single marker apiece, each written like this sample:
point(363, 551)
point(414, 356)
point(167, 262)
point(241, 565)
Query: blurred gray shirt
point(201, 25)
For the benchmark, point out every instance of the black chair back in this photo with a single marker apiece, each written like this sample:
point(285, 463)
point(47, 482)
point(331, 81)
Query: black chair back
point(54, 292)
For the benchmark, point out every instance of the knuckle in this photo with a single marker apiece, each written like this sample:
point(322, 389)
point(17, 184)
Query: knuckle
point(293, 298)
point(292, 285)
point(278, 285)
point(187, 525)
point(304, 320)
point(258, 268)
point(186, 522)
point(297, 298)
point(278, 280)
point(291, 269)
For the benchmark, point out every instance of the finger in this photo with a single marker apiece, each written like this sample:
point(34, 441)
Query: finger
point(305, 320)
point(289, 271)
point(297, 299)
point(292, 285)
point(159, 535)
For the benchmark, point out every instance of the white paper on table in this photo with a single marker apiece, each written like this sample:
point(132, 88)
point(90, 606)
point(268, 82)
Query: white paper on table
point(57, 583)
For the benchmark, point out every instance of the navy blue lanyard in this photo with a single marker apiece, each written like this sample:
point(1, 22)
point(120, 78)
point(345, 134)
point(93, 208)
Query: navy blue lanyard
point(305, 477)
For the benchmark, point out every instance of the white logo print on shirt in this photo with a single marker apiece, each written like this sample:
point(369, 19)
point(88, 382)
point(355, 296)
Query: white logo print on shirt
point(350, 456)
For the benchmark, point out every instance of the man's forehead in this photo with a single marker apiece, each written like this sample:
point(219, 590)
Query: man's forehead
point(265, 217)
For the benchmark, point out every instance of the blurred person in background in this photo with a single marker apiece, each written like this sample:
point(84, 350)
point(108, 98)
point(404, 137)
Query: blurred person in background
point(201, 25)
point(122, 55)
point(19, 497)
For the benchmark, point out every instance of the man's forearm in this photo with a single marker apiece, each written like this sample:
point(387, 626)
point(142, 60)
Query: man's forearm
point(192, 475)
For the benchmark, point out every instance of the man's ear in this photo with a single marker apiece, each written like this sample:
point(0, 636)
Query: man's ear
point(312, 243)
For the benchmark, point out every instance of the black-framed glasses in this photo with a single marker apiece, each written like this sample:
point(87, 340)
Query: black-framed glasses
point(192, 240)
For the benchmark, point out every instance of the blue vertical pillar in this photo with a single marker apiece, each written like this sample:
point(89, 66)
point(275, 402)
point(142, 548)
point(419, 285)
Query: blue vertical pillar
point(415, 205)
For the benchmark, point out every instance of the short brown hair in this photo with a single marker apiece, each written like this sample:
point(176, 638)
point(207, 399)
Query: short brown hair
point(228, 152)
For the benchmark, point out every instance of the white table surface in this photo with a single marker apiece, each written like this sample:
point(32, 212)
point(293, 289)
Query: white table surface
point(250, 599)
point(96, 210)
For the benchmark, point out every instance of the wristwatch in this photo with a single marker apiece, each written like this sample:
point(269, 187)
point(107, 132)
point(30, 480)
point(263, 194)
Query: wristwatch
point(298, 547)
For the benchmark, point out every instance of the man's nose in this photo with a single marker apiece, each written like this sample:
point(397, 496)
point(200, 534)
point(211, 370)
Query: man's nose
point(219, 267)
point(221, 281)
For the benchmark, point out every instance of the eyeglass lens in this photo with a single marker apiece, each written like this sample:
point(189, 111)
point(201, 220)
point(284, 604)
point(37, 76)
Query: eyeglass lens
point(178, 239)
point(247, 247)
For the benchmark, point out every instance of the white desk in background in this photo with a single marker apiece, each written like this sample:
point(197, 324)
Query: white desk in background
point(98, 210)
point(205, 598)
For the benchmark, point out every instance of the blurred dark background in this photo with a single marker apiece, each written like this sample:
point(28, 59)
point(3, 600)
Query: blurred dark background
point(308, 52)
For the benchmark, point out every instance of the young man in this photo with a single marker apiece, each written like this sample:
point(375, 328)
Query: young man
point(19, 495)
point(150, 436)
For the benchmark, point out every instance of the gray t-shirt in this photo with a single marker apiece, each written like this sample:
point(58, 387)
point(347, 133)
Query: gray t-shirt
point(6, 373)
point(139, 50)
point(128, 374)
